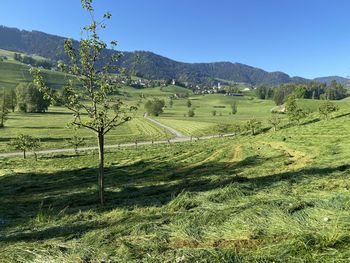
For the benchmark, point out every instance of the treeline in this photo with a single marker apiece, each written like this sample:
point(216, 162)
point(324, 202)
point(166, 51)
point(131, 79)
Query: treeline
point(25, 98)
point(32, 61)
point(311, 90)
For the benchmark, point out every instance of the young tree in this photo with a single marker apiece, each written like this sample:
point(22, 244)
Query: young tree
point(171, 102)
point(275, 122)
point(294, 112)
point(25, 143)
point(103, 110)
point(35, 145)
point(191, 112)
point(155, 106)
point(189, 104)
point(76, 142)
point(253, 125)
point(234, 107)
point(327, 108)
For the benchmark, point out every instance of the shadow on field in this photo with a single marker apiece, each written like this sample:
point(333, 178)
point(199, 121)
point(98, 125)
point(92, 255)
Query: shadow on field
point(141, 184)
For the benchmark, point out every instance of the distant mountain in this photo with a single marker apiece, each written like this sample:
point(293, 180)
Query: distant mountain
point(147, 64)
point(328, 80)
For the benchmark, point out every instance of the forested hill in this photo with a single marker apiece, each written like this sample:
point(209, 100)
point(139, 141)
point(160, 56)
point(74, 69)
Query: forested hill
point(147, 64)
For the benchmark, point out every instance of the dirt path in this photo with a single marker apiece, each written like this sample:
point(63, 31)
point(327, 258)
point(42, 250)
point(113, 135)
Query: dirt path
point(172, 130)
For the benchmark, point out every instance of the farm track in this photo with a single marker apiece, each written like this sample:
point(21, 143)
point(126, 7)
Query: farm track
point(179, 137)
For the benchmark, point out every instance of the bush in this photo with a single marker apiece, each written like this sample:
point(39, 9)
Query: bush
point(191, 113)
point(253, 126)
point(327, 108)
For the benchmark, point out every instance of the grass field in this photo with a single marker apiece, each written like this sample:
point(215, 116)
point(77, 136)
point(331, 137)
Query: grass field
point(51, 126)
point(276, 197)
point(52, 130)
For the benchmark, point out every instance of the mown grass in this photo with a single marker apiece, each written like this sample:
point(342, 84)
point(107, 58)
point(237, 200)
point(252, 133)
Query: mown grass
point(276, 197)
point(51, 128)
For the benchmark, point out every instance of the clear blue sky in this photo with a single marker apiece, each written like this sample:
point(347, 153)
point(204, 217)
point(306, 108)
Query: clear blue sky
point(307, 38)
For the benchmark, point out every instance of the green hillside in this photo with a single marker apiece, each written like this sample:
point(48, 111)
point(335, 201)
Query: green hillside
point(275, 197)
point(13, 72)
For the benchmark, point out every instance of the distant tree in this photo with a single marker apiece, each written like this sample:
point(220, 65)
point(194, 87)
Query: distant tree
point(17, 56)
point(294, 112)
point(3, 110)
point(275, 122)
point(76, 142)
point(281, 92)
point(189, 104)
point(234, 107)
point(93, 103)
point(191, 113)
point(30, 99)
point(278, 96)
point(171, 102)
point(3, 117)
point(25, 143)
point(154, 107)
point(263, 92)
point(11, 100)
point(223, 128)
point(327, 108)
point(253, 126)
point(300, 91)
point(213, 112)
point(335, 91)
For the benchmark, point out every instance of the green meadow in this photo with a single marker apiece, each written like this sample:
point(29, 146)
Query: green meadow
point(52, 127)
point(275, 197)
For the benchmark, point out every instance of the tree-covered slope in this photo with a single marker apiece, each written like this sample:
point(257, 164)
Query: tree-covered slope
point(148, 64)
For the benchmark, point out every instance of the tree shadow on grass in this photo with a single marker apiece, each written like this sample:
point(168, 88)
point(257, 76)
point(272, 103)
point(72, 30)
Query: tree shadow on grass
point(141, 184)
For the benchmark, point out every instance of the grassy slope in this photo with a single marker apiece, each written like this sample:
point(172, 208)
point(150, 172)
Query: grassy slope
point(275, 197)
point(13, 72)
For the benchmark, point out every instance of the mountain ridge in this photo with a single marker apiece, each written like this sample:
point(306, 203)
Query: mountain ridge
point(151, 65)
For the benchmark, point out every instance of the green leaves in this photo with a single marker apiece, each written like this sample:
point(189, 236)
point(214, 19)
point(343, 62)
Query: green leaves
point(294, 112)
point(327, 108)
point(107, 15)
point(87, 5)
point(25, 143)
point(92, 102)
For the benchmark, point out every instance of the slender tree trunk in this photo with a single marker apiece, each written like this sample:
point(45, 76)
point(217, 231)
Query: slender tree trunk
point(24, 154)
point(101, 152)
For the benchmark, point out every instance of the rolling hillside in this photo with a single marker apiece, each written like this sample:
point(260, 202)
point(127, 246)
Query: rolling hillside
point(149, 65)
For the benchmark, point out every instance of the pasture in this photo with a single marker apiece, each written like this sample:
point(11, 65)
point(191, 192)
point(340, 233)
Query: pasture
point(51, 127)
point(276, 197)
